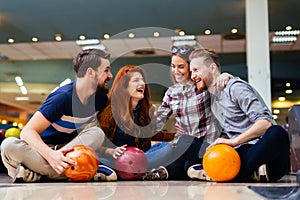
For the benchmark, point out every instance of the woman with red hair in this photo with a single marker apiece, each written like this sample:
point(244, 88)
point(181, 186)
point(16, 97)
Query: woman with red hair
point(126, 118)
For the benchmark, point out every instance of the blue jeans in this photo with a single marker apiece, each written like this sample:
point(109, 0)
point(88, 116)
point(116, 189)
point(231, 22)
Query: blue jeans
point(272, 149)
point(159, 154)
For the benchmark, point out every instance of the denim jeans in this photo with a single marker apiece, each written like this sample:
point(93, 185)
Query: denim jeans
point(272, 149)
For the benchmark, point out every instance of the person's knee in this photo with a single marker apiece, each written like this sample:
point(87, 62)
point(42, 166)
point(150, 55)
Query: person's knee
point(98, 134)
point(8, 144)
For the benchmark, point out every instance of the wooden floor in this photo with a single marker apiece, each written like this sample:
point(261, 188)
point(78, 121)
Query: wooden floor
point(286, 188)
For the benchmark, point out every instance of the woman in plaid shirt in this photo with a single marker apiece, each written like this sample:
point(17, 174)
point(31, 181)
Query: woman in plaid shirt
point(191, 109)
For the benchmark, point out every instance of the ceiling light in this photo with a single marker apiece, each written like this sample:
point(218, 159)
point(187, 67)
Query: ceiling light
point(284, 39)
point(156, 34)
point(22, 98)
point(82, 37)
point(131, 35)
point(275, 116)
point(288, 28)
point(106, 36)
point(289, 91)
point(276, 111)
point(10, 40)
point(23, 89)
point(234, 30)
point(88, 42)
point(58, 37)
point(34, 39)
point(20, 125)
point(207, 32)
point(281, 98)
point(181, 33)
point(287, 33)
point(19, 81)
point(288, 84)
point(4, 121)
point(184, 40)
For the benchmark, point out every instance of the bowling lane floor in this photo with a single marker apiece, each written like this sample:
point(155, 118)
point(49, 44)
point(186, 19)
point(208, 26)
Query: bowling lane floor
point(286, 188)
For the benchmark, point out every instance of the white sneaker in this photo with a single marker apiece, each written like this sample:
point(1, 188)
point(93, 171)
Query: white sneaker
point(25, 175)
point(105, 173)
point(197, 172)
point(261, 174)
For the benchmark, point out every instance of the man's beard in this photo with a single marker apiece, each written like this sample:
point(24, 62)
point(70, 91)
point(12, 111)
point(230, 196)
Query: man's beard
point(101, 89)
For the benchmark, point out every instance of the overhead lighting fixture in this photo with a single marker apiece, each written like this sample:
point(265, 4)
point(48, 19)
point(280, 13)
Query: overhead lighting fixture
point(131, 35)
point(284, 39)
point(184, 40)
point(287, 36)
point(87, 42)
point(288, 28)
point(207, 32)
point(82, 37)
point(34, 39)
point(181, 33)
point(234, 31)
point(23, 89)
point(288, 84)
point(19, 81)
point(22, 98)
point(106, 36)
point(276, 111)
point(156, 34)
point(10, 40)
point(287, 33)
point(58, 37)
point(281, 98)
point(289, 91)
point(275, 116)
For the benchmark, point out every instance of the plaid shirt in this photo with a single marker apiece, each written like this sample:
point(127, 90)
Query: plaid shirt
point(191, 109)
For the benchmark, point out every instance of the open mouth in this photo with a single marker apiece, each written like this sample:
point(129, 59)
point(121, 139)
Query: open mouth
point(140, 90)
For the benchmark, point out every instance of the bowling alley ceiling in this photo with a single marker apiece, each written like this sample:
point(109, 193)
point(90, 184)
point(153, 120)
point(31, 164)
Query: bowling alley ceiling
point(23, 20)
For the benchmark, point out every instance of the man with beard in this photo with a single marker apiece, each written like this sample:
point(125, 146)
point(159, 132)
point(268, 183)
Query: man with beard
point(60, 122)
point(262, 145)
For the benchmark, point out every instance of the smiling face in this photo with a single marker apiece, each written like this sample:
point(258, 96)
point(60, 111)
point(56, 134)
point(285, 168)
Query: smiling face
point(200, 73)
point(136, 86)
point(180, 69)
point(104, 75)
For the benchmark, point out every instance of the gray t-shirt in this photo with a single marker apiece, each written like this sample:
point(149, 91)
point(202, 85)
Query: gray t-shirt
point(238, 107)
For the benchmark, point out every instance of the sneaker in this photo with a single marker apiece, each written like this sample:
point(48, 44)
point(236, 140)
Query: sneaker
point(261, 174)
point(196, 172)
point(105, 173)
point(161, 173)
point(25, 175)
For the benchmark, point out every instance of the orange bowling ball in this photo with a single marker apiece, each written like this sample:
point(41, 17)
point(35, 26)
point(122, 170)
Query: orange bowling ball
point(221, 162)
point(87, 163)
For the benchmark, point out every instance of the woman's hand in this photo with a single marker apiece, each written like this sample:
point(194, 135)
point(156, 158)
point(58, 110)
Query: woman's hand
point(118, 151)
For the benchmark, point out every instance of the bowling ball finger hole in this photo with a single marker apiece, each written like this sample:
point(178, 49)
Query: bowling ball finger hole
point(130, 162)
point(72, 168)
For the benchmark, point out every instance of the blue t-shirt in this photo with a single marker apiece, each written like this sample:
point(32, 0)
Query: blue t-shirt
point(67, 114)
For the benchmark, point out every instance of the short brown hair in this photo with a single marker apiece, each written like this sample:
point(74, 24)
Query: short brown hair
point(88, 58)
point(210, 56)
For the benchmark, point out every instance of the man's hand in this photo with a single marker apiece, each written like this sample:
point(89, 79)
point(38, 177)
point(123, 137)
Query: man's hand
point(59, 162)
